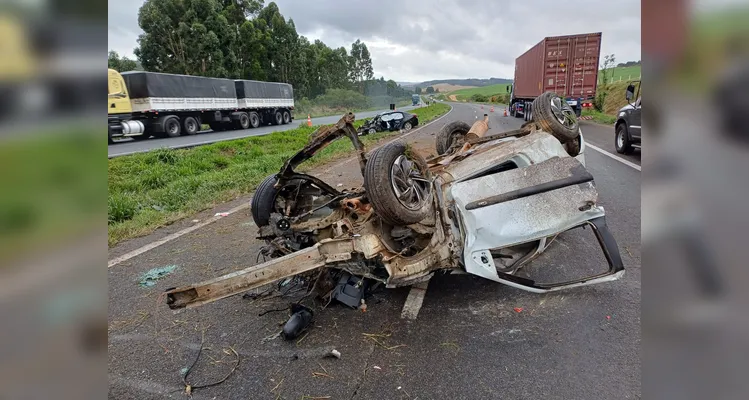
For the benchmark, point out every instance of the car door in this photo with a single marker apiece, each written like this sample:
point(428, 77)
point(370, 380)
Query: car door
point(397, 120)
point(385, 121)
point(635, 120)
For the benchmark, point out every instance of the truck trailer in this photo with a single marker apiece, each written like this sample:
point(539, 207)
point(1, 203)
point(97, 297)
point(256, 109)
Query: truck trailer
point(565, 65)
point(145, 104)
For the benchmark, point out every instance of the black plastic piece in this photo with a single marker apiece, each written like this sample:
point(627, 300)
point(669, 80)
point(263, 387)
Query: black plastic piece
point(350, 290)
point(300, 319)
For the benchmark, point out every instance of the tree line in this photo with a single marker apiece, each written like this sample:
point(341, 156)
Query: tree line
point(245, 39)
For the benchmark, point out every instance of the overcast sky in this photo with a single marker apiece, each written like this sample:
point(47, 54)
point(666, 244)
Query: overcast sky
point(419, 40)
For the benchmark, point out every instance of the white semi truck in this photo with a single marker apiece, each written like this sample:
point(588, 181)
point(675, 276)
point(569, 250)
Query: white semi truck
point(144, 104)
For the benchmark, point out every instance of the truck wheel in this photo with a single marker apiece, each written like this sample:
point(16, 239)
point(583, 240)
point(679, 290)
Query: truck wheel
point(277, 118)
point(190, 126)
point(397, 184)
point(622, 142)
point(172, 127)
point(254, 119)
point(286, 117)
point(243, 122)
point(449, 134)
point(556, 117)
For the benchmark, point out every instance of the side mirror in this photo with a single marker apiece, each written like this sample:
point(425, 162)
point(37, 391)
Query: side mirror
point(630, 92)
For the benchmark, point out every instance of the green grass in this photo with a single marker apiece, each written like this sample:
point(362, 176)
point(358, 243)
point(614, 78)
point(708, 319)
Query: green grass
point(465, 94)
point(600, 117)
point(51, 189)
point(149, 190)
point(322, 111)
point(622, 73)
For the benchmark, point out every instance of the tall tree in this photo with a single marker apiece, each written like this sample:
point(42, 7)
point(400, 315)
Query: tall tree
point(361, 64)
point(120, 64)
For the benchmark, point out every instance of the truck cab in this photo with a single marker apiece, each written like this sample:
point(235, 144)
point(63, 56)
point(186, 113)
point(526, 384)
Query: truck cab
point(628, 126)
point(118, 98)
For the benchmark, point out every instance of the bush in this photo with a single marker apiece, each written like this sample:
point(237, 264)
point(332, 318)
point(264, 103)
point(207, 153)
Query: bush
point(120, 208)
point(479, 98)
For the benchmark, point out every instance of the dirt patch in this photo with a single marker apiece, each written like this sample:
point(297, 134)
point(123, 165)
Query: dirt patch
point(452, 97)
point(446, 87)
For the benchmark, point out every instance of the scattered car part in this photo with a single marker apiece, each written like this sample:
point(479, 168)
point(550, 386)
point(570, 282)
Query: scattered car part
point(450, 134)
point(300, 319)
point(350, 290)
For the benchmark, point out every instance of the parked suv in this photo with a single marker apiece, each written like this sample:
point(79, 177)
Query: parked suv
point(628, 126)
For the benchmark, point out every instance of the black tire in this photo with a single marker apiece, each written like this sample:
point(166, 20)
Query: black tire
point(254, 119)
point(450, 133)
point(621, 140)
point(243, 122)
point(172, 127)
point(573, 146)
point(407, 126)
point(286, 117)
point(548, 121)
point(378, 183)
point(277, 118)
point(263, 201)
point(190, 126)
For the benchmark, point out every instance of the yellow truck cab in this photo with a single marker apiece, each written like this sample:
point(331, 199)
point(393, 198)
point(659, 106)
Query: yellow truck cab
point(118, 99)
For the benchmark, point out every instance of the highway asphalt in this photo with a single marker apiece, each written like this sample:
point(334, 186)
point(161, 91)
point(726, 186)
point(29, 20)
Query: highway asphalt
point(473, 339)
point(129, 146)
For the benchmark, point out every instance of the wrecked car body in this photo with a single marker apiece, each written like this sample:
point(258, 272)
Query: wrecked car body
point(389, 121)
point(486, 205)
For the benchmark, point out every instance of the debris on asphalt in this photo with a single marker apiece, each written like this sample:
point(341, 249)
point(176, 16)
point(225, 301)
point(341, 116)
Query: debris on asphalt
point(150, 277)
point(608, 317)
point(300, 319)
point(363, 306)
point(376, 367)
point(195, 221)
point(350, 290)
point(321, 374)
point(518, 309)
point(221, 214)
point(334, 353)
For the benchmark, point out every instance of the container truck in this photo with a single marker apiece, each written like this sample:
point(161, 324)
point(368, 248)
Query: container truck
point(145, 104)
point(415, 99)
point(566, 65)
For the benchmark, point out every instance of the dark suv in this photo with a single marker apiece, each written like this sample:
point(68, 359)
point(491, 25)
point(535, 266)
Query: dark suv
point(628, 126)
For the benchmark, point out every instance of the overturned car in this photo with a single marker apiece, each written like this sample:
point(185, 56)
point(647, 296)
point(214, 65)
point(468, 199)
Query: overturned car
point(486, 205)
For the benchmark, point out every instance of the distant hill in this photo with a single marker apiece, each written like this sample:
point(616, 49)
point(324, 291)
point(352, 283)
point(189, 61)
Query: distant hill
point(473, 82)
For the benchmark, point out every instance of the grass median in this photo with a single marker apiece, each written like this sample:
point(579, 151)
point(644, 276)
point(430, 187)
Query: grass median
point(153, 189)
point(599, 117)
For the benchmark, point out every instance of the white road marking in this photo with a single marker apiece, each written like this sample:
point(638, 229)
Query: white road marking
point(173, 236)
point(617, 158)
point(215, 218)
point(414, 300)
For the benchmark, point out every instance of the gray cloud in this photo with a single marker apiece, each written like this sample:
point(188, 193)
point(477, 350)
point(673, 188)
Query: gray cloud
point(419, 40)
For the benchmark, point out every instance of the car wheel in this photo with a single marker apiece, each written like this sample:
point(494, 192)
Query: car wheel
point(407, 126)
point(622, 142)
point(172, 127)
point(556, 117)
point(263, 201)
point(286, 117)
point(254, 120)
point(278, 118)
point(449, 134)
point(397, 184)
point(190, 126)
point(372, 131)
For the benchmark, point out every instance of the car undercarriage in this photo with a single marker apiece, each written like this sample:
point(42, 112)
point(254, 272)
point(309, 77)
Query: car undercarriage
point(487, 205)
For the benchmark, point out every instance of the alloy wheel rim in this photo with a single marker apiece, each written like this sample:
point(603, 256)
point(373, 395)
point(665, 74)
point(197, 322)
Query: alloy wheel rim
point(411, 188)
point(563, 112)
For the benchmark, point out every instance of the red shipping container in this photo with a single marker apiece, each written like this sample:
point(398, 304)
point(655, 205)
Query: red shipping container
point(566, 65)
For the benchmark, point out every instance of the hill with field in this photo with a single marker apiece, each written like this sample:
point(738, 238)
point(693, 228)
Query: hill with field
point(487, 91)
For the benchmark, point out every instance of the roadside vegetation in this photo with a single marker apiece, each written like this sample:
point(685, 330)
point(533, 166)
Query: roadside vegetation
point(341, 101)
point(486, 91)
point(153, 189)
